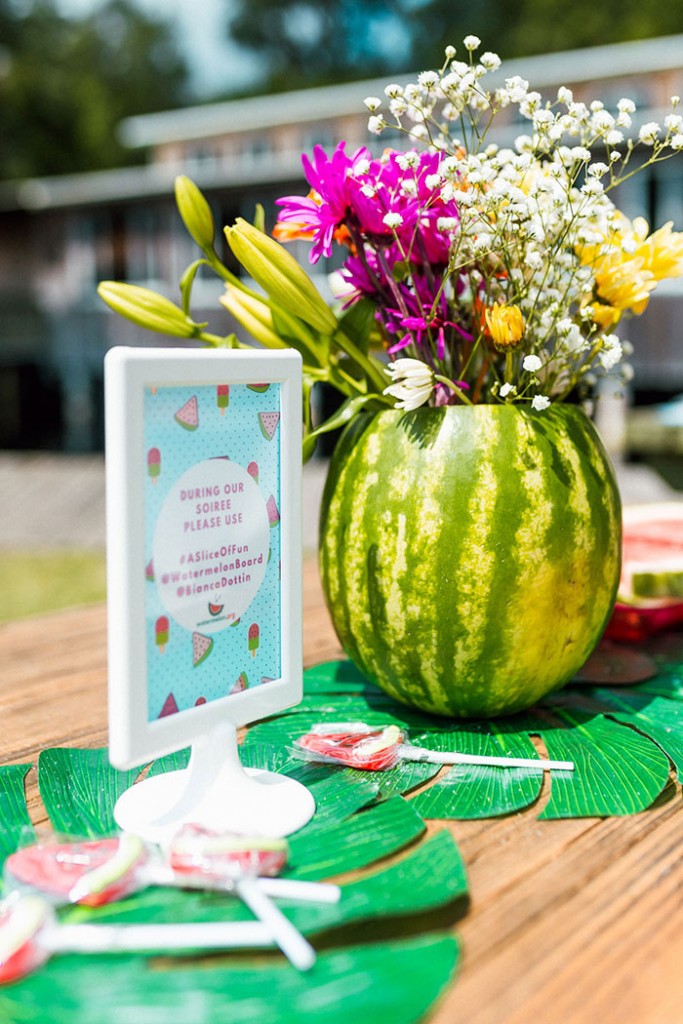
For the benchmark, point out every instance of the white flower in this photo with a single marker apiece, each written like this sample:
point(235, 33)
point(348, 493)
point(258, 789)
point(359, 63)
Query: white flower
point(393, 91)
point(412, 382)
point(472, 43)
point(649, 133)
point(677, 142)
point(507, 389)
point(392, 220)
point(531, 364)
point(673, 122)
point(490, 61)
point(611, 353)
point(540, 402)
point(432, 181)
point(369, 191)
point(375, 124)
point(626, 106)
point(428, 79)
point(373, 103)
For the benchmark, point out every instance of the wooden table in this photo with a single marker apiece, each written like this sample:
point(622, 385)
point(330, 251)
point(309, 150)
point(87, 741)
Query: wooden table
point(570, 922)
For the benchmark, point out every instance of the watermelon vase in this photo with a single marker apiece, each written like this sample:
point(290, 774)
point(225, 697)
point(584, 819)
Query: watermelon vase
point(470, 556)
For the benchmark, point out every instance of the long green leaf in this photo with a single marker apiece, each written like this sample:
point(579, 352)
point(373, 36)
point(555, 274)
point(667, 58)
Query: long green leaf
point(396, 982)
point(618, 771)
point(15, 823)
point(80, 788)
point(477, 791)
point(660, 719)
point(364, 839)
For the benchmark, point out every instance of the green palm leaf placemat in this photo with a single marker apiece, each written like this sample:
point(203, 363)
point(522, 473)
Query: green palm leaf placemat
point(401, 978)
point(622, 741)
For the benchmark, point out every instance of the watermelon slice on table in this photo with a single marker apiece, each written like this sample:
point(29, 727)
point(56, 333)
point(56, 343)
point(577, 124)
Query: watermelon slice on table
point(650, 597)
point(268, 422)
point(188, 414)
point(201, 648)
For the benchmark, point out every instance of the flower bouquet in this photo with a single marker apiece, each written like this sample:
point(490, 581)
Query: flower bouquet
point(470, 539)
point(472, 272)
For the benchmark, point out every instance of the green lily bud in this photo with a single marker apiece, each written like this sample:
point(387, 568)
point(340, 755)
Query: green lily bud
point(195, 211)
point(254, 315)
point(147, 309)
point(280, 275)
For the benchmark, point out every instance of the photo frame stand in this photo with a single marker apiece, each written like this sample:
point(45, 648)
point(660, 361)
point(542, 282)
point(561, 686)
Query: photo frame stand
point(217, 792)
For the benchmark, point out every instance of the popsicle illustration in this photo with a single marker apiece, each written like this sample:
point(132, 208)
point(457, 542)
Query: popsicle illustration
point(252, 470)
point(254, 638)
point(153, 464)
point(222, 397)
point(161, 633)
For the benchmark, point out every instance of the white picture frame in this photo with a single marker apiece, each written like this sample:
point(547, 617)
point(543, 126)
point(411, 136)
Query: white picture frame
point(180, 503)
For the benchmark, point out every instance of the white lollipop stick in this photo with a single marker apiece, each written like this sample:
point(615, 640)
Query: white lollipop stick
point(120, 938)
point(298, 951)
point(410, 753)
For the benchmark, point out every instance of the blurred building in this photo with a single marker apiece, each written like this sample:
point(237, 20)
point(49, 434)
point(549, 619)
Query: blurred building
point(60, 236)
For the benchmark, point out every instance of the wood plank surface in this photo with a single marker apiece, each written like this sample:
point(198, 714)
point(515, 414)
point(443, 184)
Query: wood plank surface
point(569, 922)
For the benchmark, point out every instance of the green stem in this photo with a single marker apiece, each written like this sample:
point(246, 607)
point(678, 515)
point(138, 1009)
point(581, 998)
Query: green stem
point(454, 388)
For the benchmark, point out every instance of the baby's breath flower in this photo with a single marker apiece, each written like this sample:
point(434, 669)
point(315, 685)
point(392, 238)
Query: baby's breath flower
point(649, 133)
point(393, 91)
point(531, 364)
point(490, 61)
point(376, 124)
point(540, 402)
point(428, 79)
point(392, 220)
point(471, 43)
point(373, 103)
point(507, 389)
point(676, 142)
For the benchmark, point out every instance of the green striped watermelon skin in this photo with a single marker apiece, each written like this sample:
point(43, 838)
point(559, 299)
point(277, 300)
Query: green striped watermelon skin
point(470, 556)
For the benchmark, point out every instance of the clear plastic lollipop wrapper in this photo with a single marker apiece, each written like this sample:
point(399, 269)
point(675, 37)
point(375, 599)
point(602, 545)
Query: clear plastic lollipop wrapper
point(378, 748)
point(94, 872)
point(30, 934)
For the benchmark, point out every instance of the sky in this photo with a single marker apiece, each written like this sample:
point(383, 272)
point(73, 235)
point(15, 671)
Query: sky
point(216, 64)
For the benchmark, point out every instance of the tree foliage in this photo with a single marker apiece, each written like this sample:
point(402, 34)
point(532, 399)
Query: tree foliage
point(307, 42)
point(66, 83)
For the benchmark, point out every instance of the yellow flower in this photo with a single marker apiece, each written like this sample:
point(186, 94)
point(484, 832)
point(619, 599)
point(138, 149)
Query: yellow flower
point(662, 251)
point(506, 326)
point(627, 265)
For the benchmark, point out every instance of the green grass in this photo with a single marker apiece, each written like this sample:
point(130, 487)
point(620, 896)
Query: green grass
point(49, 580)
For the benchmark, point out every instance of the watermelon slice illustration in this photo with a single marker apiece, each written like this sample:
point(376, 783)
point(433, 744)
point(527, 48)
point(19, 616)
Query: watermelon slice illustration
point(199, 700)
point(273, 514)
point(215, 609)
point(259, 388)
point(268, 422)
point(201, 648)
point(241, 684)
point(188, 415)
point(170, 707)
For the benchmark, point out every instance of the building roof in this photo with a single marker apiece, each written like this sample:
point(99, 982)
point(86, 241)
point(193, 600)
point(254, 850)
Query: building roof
point(595, 63)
